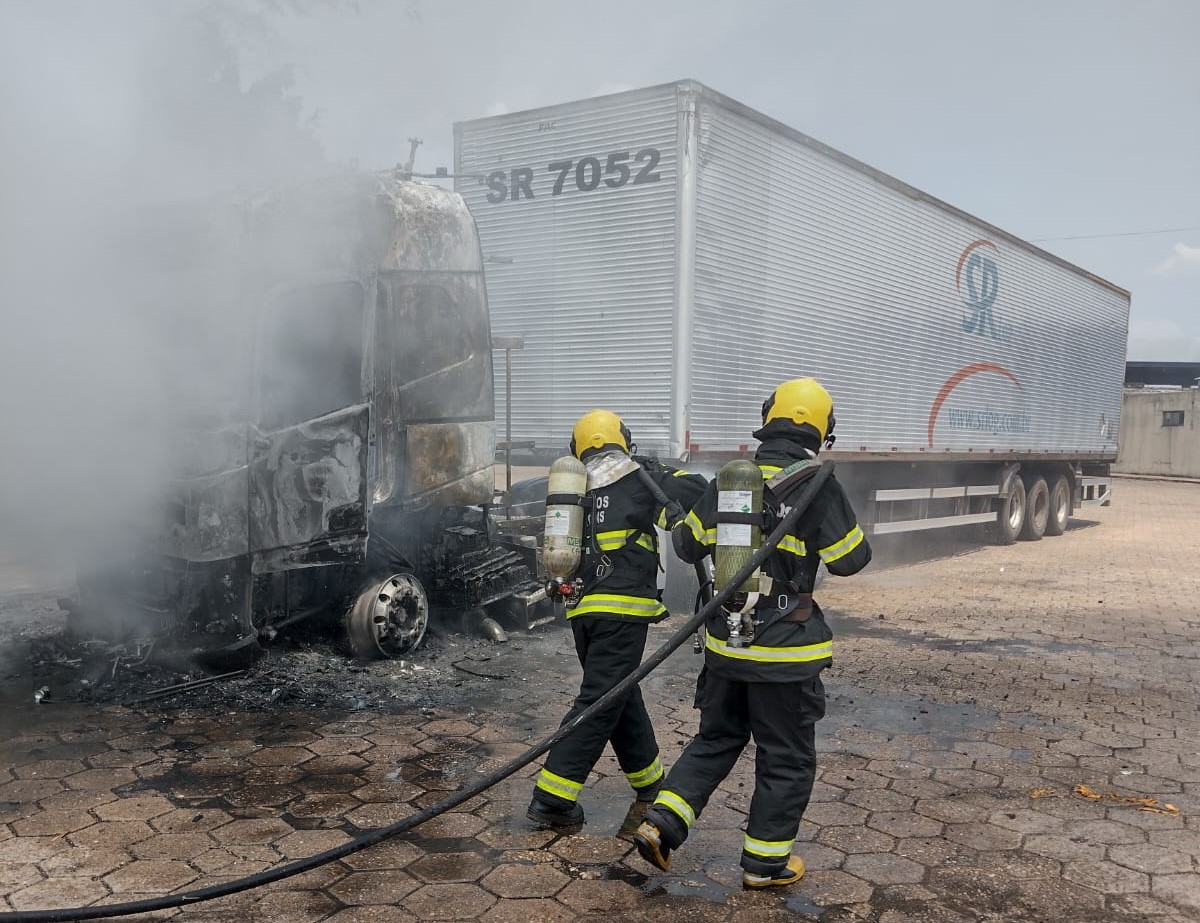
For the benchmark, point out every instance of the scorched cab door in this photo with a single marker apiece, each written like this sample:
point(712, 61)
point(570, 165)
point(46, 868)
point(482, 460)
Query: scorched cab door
point(308, 470)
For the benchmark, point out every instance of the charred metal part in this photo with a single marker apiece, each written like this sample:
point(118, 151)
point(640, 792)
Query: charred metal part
point(532, 607)
point(307, 485)
point(322, 553)
point(412, 156)
point(458, 665)
point(271, 631)
point(389, 618)
point(59, 662)
point(493, 631)
point(383, 554)
point(186, 687)
point(464, 560)
point(237, 654)
point(525, 609)
point(204, 516)
point(450, 464)
point(470, 573)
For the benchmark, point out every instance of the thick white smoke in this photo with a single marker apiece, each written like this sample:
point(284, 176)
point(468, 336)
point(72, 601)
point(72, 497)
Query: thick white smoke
point(111, 114)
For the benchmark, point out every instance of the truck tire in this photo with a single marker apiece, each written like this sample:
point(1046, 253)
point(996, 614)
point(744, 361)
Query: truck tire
point(1010, 514)
point(1060, 505)
point(1037, 508)
point(389, 618)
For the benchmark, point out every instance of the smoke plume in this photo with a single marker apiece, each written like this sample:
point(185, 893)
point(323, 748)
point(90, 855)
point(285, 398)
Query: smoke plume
point(113, 116)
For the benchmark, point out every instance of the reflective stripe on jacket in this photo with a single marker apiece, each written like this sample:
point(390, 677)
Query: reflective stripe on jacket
point(620, 546)
point(828, 532)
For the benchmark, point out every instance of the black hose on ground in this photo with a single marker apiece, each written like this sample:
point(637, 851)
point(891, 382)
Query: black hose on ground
point(97, 912)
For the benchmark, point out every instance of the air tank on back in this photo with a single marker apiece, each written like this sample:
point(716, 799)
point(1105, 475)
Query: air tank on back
point(739, 521)
point(562, 548)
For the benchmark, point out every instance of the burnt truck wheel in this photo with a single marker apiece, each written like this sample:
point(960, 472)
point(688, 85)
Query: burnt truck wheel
point(1037, 508)
point(389, 618)
point(1010, 514)
point(1060, 505)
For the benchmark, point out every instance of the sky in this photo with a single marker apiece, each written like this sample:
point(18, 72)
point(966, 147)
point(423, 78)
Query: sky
point(1073, 123)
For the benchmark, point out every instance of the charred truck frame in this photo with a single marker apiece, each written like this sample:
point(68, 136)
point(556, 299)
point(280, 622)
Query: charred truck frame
point(361, 484)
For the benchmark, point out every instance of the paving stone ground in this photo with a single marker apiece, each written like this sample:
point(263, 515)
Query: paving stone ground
point(972, 693)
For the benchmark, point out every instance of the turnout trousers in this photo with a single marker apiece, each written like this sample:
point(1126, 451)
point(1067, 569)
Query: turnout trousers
point(781, 717)
point(609, 650)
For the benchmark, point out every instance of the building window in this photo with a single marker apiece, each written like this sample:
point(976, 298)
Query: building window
point(1172, 418)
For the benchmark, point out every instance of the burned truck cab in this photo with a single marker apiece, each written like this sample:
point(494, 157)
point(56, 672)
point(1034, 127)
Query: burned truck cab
point(357, 493)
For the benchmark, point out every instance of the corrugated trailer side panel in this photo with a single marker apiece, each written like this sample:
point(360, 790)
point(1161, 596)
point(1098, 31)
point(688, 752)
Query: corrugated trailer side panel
point(935, 334)
point(585, 271)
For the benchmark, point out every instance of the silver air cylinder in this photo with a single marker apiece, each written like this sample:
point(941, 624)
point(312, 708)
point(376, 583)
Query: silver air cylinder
point(562, 548)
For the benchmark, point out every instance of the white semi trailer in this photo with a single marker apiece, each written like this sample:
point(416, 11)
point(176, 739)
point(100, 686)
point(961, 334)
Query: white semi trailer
point(672, 254)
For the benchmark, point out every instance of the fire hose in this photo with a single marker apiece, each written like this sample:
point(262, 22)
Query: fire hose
point(378, 835)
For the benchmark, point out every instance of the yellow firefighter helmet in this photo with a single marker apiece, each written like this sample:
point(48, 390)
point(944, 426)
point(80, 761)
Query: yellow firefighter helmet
point(803, 401)
point(598, 428)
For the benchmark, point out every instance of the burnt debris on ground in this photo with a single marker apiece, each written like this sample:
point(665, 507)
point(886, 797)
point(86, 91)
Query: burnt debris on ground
point(45, 661)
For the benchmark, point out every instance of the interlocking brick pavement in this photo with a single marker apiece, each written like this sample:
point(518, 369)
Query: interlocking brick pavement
point(973, 690)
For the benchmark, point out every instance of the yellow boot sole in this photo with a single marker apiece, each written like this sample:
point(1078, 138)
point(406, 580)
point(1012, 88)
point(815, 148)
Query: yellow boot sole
point(785, 876)
point(650, 846)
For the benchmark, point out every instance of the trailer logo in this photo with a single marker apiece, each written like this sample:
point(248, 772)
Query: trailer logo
point(996, 422)
point(977, 280)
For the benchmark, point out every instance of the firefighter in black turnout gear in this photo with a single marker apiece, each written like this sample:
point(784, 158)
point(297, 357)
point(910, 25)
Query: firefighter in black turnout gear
point(766, 683)
point(618, 598)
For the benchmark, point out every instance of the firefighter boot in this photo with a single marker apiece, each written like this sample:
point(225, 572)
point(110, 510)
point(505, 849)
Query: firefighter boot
point(788, 875)
point(643, 798)
point(650, 845)
point(546, 815)
point(657, 835)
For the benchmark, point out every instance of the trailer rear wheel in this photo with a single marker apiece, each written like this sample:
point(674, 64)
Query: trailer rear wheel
point(1010, 514)
point(1037, 508)
point(1060, 506)
point(389, 618)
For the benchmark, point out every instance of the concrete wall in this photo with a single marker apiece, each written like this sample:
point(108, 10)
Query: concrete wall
point(1148, 447)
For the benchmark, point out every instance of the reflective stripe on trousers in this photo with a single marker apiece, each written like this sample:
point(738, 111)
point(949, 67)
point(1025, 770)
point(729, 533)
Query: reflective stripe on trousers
point(677, 805)
point(559, 786)
point(644, 778)
point(781, 719)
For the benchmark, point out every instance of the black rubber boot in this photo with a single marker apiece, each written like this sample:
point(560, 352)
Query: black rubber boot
point(555, 818)
point(643, 798)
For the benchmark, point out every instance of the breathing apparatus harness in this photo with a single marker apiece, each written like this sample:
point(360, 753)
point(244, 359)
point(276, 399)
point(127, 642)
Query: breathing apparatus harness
point(569, 502)
point(745, 504)
point(451, 801)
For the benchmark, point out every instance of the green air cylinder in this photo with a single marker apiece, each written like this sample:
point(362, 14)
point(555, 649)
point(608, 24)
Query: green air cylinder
point(739, 520)
point(562, 541)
